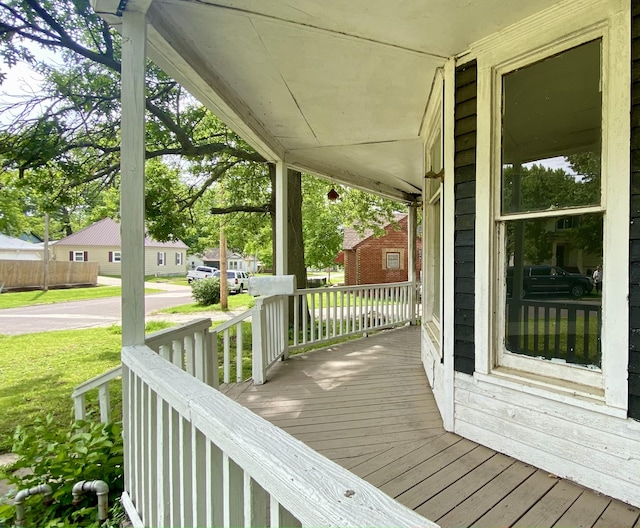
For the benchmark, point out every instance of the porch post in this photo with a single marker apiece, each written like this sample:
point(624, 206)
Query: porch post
point(282, 207)
point(412, 258)
point(132, 230)
point(281, 236)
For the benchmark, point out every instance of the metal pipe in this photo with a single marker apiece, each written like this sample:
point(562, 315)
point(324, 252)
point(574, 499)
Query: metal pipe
point(22, 495)
point(100, 488)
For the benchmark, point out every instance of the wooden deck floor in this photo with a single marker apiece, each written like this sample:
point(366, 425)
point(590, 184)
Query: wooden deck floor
point(366, 404)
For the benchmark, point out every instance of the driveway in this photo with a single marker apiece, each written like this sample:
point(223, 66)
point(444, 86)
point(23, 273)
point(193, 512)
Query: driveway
point(91, 313)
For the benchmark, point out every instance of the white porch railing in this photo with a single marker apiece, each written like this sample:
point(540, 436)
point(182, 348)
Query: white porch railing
point(320, 315)
point(193, 457)
point(188, 346)
point(323, 314)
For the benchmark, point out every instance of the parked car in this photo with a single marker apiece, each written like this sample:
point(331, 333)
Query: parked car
point(237, 280)
point(200, 272)
point(544, 279)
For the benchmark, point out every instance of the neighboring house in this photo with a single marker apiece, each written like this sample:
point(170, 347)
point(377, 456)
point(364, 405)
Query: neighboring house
point(16, 249)
point(369, 259)
point(100, 242)
point(429, 103)
point(235, 261)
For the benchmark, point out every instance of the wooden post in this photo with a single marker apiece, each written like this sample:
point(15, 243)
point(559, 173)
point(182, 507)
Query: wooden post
point(281, 236)
point(282, 206)
point(45, 256)
point(134, 39)
point(412, 258)
point(224, 285)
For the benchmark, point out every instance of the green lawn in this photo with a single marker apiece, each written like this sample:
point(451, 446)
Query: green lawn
point(30, 298)
point(235, 302)
point(38, 372)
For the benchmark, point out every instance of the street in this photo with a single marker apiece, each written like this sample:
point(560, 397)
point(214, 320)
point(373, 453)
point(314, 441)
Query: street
point(84, 314)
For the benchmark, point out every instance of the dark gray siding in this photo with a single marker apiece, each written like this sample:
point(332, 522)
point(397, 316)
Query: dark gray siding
point(634, 242)
point(465, 216)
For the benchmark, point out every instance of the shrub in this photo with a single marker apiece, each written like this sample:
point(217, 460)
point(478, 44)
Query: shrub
point(206, 291)
point(87, 451)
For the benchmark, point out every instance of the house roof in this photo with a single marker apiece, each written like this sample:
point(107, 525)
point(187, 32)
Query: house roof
point(15, 244)
point(214, 254)
point(352, 238)
point(339, 89)
point(106, 232)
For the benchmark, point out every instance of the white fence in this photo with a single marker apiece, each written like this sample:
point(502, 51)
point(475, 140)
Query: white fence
point(195, 458)
point(324, 314)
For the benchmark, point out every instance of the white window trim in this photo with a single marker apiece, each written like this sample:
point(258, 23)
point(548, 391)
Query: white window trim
point(75, 256)
point(162, 258)
point(432, 191)
point(389, 253)
point(559, 28)
point(116, 256)
point(178, 258)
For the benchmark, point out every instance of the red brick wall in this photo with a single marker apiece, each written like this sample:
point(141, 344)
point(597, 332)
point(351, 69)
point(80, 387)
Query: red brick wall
point(366, 264)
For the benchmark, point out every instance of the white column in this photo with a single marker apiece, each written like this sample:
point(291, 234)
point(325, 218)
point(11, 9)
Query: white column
point(412, 258)
point(282, 206)
point(132, 230)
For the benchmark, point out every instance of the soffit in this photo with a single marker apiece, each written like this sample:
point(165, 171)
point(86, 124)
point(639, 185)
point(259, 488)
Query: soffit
point(337, 88)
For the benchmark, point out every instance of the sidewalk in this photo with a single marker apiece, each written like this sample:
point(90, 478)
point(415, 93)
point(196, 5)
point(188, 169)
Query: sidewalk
point(165, 286)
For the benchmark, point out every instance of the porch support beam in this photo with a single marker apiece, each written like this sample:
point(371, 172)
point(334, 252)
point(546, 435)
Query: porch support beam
point(412, 258)
point(282, 226)
point(132, 229)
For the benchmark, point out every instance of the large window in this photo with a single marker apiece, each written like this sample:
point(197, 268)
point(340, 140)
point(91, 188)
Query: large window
point(551, 213)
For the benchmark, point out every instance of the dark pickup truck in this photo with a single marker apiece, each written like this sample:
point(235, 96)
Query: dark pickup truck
point(550, 280)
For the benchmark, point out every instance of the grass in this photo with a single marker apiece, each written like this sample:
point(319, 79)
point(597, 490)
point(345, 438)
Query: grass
point(235, 302)
point(31, 298)
point(180, 280)
point(39, 372)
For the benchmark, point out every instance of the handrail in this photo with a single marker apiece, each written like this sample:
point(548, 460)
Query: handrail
point(229, 465)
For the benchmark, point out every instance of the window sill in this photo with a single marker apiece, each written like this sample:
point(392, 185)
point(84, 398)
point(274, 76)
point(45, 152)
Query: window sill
point(561, 391)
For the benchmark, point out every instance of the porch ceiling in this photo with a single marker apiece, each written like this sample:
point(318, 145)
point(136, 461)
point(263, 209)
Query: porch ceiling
point(334, 88)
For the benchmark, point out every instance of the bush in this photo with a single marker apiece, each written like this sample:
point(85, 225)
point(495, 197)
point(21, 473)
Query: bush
point(206, 291)
point(87, 451)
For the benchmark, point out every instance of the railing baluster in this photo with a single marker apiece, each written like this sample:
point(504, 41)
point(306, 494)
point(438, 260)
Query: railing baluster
point(198, 463)
point(174, 468)
point(214, 486)
point(233, 487)
point(186, 476)
point(239, 352)
point(296, 319)
point(571, 334)
point(585, 334)
point(193, 358)
point(177, 354)
point(163, 457)
point(547, 316)
point(255, 502)
point(312, 315)
point(227, 357)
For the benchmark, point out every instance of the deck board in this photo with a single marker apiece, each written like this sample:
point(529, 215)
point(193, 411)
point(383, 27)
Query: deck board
point(366, 404)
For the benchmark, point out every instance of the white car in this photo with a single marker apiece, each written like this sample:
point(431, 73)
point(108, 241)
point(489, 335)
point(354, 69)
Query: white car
point(201, 272)
point(237, 280)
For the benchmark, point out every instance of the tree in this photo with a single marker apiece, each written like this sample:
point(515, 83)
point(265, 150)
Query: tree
point(63, 141)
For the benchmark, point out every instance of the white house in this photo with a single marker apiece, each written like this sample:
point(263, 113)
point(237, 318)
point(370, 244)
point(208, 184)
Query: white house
point(12, 248)
point(100, 242)
point(445, 105)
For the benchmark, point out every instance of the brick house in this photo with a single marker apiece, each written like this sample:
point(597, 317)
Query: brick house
point(374, 260)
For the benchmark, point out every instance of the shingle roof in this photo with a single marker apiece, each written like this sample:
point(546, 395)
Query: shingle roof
point(351, 237)
point(214, 254)
point(15, 244)
point(106, 232)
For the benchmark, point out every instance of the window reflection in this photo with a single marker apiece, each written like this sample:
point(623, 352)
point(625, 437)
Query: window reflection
point(552, 308)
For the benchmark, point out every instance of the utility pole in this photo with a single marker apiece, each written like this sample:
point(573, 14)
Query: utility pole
point(45, 256)
point(224, 285)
